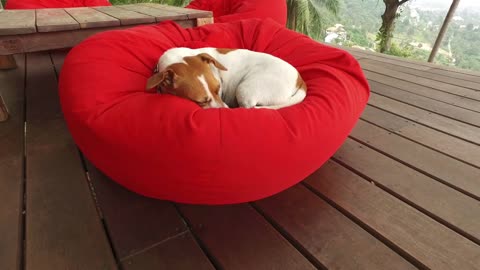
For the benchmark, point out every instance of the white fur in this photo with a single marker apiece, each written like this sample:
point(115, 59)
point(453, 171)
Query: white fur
point(253, 79)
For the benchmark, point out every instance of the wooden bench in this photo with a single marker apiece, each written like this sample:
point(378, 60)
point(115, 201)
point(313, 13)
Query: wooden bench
point(23, 31)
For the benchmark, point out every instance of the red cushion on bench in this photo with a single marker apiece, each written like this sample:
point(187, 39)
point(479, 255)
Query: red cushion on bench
point(33, 4)
point(166, 147)
point(234, 10)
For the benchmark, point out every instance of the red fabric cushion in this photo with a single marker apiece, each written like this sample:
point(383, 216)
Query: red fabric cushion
point(166, 147)
point(33, 4)
point(234, 10)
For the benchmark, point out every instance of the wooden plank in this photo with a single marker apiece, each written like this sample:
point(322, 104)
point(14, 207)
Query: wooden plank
point(434, 94)
point(363, 56)
point(445, 87)
point(439, 141)
point(461, 76)
point(454, 208)
point(433, 245)
point(49, 20)
point(441, 108)
point(326, 234)
point(63, 229)
point(159, 14)
point(91, 18)
point(191, 13)
point(425, 74)
point(179, 253)
point(7, 62)
point(48, 41)
point(237, 237)
point(58, 58)
point(4, 113)
point(450, 69)
point(135, 223)
point(126, 17)
point(16, 22)
point(447, 169)
point(447, 125)
point(12, 167)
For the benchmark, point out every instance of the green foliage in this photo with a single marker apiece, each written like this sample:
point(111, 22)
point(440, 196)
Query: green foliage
point(307, 16)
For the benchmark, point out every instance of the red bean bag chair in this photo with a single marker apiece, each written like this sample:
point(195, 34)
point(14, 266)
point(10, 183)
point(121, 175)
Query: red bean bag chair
point(33, 4)
point(167, 147)
point(234, 10)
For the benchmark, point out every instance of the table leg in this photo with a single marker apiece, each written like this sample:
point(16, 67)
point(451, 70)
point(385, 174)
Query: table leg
point(7, 62)
point(203, 21)
point(3, 110)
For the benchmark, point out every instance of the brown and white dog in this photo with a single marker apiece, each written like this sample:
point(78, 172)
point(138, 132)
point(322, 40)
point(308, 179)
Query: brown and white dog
point(222, 78)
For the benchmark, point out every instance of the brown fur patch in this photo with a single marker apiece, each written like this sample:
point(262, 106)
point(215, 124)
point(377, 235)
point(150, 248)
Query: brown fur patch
point(225, 50)
point(301, 83)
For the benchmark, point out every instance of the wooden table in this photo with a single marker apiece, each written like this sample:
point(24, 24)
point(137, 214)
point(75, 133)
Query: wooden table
point(23, 31)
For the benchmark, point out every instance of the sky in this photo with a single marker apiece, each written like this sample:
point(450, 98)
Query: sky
point(445, 4)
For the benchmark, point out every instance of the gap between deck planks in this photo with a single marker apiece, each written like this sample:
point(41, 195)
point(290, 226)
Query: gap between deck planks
point(450, 126)
point(423, 74)
point(424, 91)
point(63, 228)
point(435, 106)
point(455, 210)
point(411, 233)
point(439, 86)
point(448, 71)
point(12, 168)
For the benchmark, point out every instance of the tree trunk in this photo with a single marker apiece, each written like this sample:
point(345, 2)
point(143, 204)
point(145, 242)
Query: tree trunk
point(388, 24)
point(292, 17)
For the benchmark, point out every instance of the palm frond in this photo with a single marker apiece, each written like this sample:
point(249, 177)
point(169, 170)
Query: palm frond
point(305, 16)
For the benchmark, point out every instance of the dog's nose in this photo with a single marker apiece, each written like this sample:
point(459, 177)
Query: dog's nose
point(215, 104)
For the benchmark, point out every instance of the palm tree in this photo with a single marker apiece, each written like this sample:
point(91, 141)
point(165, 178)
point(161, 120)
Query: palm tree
point(305, 15)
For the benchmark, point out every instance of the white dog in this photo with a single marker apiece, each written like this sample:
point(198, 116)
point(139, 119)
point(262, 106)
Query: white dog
point(216, 78)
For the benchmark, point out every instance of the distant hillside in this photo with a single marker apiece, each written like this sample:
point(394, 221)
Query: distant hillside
point(416, 30)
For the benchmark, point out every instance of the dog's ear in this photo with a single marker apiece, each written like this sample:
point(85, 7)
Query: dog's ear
point(209, 59)
point(166, 78)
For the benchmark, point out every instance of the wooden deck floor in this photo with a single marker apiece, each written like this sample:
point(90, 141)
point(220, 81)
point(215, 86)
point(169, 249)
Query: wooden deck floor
point(403, 192)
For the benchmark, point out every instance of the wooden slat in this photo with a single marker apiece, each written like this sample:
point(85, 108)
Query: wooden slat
point(135, 223)
point(126, 17)
point(462, 102)
point(191, 13)
point(450, 126)
point(58, 40)
point(425, 74)
point(63, 229)
point(363, 56)
point(15, 22)
point(91, 18)
point(437, 107)
point(179, 253)
point(159, 14)
point(461, 76)
point(11, 167)
point(442, 142)
point(49, 20)
point(455, 208)
point(326, 234)
point(432, 66)
point(449, 88)
point(239, 238)
point(58, 58)
point(447, 169)
point(48, 41)
point(434, 246)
